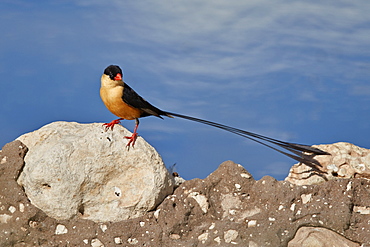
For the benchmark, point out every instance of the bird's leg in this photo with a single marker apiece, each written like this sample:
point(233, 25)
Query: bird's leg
point(132, 138)
point(111, 124)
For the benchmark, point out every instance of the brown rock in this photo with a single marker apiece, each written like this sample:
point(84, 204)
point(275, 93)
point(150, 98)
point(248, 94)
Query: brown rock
point(228, 208)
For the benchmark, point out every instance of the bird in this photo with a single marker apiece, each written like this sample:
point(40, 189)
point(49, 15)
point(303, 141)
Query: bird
point(125, 103)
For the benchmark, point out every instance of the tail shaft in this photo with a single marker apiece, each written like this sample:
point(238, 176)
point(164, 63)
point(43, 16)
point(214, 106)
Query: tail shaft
point(295, 148)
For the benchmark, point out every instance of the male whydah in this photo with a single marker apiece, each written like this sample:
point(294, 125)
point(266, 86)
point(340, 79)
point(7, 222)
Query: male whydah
point(125, 103)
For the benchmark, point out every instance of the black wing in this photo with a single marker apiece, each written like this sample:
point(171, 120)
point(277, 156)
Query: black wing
point(133, 99)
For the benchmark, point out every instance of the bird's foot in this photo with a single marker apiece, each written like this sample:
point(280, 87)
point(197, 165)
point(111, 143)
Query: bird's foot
point(132, 140)
point(111, 124)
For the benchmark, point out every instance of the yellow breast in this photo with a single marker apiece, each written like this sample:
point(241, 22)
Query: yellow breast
point(111, 93)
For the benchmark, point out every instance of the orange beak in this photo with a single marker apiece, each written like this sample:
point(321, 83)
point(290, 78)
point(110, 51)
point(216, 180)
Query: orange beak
point(118, 77)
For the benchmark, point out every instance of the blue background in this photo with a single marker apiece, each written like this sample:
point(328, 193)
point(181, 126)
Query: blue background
point(292, 70)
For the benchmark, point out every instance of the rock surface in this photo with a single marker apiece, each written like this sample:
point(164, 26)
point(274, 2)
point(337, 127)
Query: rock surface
point(228, 208)
point(80, 170)
point(346, 161)
point(319, 237)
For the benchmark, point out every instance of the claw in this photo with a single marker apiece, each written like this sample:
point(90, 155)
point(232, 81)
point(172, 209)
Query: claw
point(133, 137)
point(132, 140)
point(111, 124)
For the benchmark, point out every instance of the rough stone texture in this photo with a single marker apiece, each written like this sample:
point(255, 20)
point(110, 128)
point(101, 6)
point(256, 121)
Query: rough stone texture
point(346, 161)
point(228, 208)
point(319, 237)
point(80, 170)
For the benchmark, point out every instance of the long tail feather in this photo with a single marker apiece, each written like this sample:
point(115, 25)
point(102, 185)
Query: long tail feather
point(295, 148)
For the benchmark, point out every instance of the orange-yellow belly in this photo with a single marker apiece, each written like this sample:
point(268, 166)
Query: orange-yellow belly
point(112, 99)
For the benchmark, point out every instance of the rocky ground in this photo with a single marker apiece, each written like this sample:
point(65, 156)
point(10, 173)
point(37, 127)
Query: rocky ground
point(228, 208)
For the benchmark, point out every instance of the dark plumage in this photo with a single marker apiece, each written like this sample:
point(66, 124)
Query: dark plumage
point(125, 103)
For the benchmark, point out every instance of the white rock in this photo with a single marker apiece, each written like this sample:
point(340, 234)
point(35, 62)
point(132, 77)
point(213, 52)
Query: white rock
point(346, 161)
point(201, 200)
point(96, 243)
point(361, 209)
point(156, 213)
point(12, 209)
point(230, 235)
point(217, 240)
point(306, 198)
point(21, 207)
point(250, 212)
point(228, 202)
point(203, 237)
point(232, 211)
point(79, 169)
point(132, 241)
point(117, 240)
point(61, 229)
point(4, 218)
point(333, 167)
point(103, 227)
point(3, 160)
point(318, 236)
point(252, 223)
point(349, 186)
point(175, 236)
point(245, 175)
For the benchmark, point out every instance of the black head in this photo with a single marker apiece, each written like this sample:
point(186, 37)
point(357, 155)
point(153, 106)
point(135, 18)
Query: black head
point(112, 71)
